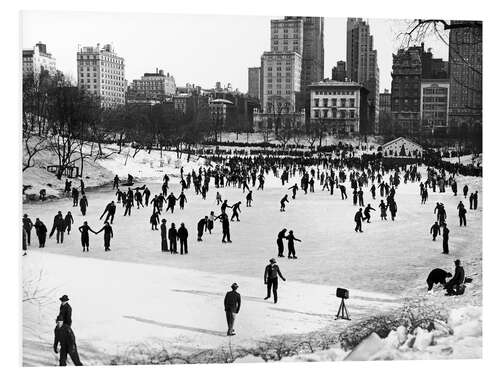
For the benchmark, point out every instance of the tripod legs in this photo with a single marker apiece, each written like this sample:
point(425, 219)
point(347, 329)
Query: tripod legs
point(342, 313)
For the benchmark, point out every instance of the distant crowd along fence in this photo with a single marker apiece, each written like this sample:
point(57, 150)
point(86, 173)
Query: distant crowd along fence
point(68, 171)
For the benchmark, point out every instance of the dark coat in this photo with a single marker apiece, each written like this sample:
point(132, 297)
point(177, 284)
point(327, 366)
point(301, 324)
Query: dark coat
point(182, 233)
point(272, 271)
point(65, 337)
point(65, 311)
point(232, 302)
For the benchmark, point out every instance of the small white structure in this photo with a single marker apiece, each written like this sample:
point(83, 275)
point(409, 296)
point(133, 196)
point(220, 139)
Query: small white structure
point(402, 148)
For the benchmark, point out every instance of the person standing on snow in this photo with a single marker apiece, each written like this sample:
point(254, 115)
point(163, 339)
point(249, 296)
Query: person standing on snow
point(232, 305)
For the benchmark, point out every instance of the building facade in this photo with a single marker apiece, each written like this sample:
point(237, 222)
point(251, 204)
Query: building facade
point(466, 78)
point(254, 82)
point(385, 102)
point(411, 67)
point(341, 106)
point(37, 60)
point(152, 87)
point(339, 72)
point(313, 54)
point(434, 105)
point(405, 90)
point(101, 72)
point(281, 73)
point(362, 64)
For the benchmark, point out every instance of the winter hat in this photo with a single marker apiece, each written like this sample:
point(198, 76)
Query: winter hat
point(272, 260)
point(234, 286)
point(64, 298)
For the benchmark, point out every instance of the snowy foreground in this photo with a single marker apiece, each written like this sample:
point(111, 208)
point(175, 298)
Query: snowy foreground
point(135, 295)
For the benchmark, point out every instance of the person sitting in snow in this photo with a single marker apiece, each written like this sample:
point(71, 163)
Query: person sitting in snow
point(455, 285)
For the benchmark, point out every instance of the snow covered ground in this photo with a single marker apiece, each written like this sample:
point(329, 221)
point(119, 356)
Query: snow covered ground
point(466, 159)
point(99, 172)
point(136, 293)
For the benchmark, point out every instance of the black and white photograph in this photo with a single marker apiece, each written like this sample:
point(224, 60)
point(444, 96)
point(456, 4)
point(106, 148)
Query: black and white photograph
point(223, 189)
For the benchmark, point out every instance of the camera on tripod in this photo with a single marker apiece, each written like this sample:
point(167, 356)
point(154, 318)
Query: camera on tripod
point(342, 313)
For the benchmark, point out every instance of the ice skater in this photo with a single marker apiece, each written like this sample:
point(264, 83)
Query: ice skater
point(108, 235)
point(85, 240)
point(291, 245)
point(271, 273)
point(282, 203)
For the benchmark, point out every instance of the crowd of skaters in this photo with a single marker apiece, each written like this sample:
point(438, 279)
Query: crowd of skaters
point(246, 173)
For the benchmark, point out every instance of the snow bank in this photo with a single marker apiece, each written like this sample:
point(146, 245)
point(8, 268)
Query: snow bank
point(460, 338)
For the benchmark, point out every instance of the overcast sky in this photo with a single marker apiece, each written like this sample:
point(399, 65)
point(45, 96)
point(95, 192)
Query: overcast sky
point(200, 49)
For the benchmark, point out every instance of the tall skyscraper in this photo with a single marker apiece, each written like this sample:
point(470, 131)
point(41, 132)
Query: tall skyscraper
point(466, 78)
point(254, 82)
point(101, 72)
point(313, 54)
point(362, 65)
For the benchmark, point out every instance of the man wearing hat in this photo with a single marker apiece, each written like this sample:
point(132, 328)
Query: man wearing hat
point(163, 231)
point(63, 335)
point(65, 310)
point(271, 274)
point(452, 286)
point(232, 304)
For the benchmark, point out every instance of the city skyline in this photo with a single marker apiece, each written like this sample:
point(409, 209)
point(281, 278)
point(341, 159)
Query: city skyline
point(193, 48)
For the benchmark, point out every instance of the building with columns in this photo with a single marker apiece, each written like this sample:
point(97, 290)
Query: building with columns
point(101, 72)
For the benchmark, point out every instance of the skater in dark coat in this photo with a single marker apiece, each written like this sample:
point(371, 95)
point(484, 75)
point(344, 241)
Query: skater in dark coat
point(75, 193)
point(271, 274)
point(84, 230)
point(163, 232)
point(291, 245)
point(41, 232)
point(249, 198)
point(446, 234)
point(182, 200)
point(358, 218)
point(68, 221)
point(393, 208)
point(116, 182)
point(172, 239)
point(171, 199)
point(437, 276)
point(435, 230)
point(154, 220)
point(27, 225)
point(84, 203)
point(201, 227)
point(58, 226)
point(129, 203)
point(279, 241)
point(294, 189)
point(383, 210)
point(108, 235)
point(282, 203)
point(64, 336)
point(236, 211)
point(109, 211)
point(461, 214)
point(232, 305)
point(366, 212)
point(182, 233)
point(226, 235)
point(147, 194)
